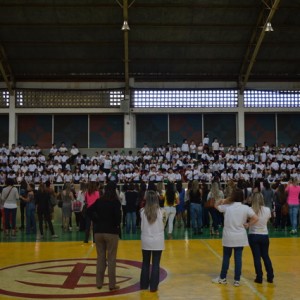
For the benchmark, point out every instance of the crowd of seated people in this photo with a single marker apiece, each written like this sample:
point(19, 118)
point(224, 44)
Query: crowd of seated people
point(168, 162)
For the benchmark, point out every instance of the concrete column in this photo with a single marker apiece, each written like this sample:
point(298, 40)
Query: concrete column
point(129, 131)
point(241, 121)
point(12, 124)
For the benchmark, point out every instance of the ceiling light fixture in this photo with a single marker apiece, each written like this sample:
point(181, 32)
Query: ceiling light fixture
point(125, 26)
point(269, 27)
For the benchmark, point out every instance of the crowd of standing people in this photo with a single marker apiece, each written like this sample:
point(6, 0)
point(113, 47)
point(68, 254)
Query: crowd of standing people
point(229, 193)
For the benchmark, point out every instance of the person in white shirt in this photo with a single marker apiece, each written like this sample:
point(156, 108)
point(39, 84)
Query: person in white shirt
point(152, 174)
point(205, 141)
point(145, 176)
point(93, 176)
point(189, 173)
point(53, 150)
point(116, 157)
point(59, 176)
point(102, 176)
point(171, 175)
point(68, 177)
point(215, 146)
point(32, 167)
point(147, 157)
point(234, 233)
point(259, 239)
point(57, 157)
point(178, 176)
point(145, 148)
point(107, 164)
point(153, 241)
point(185, 148)
point(74, 152)
point(56, 166)
point(63, 148)
point(200, 150)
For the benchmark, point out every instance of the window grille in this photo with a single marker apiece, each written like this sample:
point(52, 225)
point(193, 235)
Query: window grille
point(184, 98)
point(274, 99)
point(69, 99)
point(4, 98)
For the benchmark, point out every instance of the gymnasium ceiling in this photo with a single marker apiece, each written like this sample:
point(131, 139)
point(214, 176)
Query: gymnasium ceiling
point(168, 40)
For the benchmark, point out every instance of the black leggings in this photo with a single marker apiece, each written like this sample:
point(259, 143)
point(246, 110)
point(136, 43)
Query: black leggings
point(47, 217)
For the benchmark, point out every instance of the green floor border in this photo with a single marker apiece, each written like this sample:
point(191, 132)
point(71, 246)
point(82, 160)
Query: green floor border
point(178, 234)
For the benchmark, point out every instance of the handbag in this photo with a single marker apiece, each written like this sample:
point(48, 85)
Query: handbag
point(76, 205)
point(210, 203)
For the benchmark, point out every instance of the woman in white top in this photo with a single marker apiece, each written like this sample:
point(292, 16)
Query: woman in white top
point(259, 239)
point(9, 197)
point(153, 241)
point(234, 233)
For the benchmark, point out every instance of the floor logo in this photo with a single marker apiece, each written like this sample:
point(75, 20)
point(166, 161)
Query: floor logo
point(67, 278)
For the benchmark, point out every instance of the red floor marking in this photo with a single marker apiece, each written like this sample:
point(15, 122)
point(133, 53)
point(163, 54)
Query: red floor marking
point(74, 276)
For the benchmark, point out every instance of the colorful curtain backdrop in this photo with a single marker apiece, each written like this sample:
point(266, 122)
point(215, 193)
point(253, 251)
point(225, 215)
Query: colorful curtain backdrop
point(259, 128)
point(71, 129)
point(185, 126)
point(106, 131)
point(288, 126)
point(222, 127)
point(35, 129)
point(4, 129)
point(151, 129)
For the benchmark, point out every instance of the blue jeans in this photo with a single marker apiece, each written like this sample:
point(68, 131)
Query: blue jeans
point(131, 222)
point(215, 215)
point(148, 278)
point(30, 218)
point(227, 251)
point(196, 216)
point(293, 211)
point(10, 218)
point(259, 244)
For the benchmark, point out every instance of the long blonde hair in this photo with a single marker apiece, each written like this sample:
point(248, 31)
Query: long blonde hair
point(151, 206)
point(215, 191)
point(257, 202)
point(230, 187)
point(160, 187)
point(195, 187)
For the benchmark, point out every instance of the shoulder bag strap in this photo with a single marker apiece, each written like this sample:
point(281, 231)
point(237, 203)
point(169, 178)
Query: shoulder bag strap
point(8, 194)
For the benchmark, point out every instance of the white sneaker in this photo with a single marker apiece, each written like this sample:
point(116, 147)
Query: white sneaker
point(236, 283)
point(219, 280)
point(54, 236)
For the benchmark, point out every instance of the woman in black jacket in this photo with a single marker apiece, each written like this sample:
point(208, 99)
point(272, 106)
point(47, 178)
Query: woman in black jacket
point(44, 209)
point(107, 219)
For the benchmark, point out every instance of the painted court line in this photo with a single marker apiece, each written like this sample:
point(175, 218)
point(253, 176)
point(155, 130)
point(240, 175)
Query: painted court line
point(244, 280)
point(90, 250)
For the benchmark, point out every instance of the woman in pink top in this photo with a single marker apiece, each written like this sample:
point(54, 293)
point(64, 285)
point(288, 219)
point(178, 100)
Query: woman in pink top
point(91, 195)
point(293, 191)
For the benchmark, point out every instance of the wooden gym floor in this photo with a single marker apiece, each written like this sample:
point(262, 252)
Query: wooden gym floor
point(65, 269)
